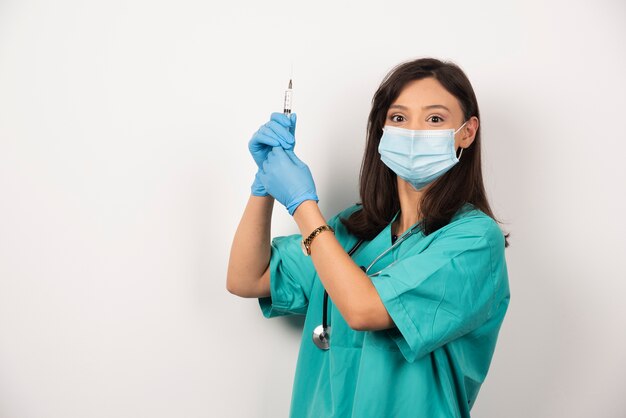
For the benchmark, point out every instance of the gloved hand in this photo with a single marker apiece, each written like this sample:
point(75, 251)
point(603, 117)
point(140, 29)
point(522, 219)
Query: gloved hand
point(257, 188)
point(279, 131)
point(287, 178)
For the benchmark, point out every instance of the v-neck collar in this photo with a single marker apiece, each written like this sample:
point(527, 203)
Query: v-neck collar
point(390, 233)
point(376, 246)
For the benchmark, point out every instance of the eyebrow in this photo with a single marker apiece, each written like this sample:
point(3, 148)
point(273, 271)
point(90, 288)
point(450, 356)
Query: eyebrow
point(435, 106)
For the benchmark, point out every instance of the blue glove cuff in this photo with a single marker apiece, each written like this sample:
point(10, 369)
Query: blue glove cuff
point(257, 188)
point(296, 203)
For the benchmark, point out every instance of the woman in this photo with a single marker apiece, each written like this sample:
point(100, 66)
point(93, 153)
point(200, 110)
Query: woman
point(413, 313)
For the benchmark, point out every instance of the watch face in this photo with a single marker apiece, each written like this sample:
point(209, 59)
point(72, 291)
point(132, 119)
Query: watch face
point(304, 248)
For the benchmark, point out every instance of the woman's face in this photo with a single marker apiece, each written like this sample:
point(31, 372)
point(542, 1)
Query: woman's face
point(426, 104)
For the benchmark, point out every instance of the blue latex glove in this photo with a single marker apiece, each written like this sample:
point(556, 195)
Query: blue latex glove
point(279, 131)
point(257, 188)
point(288, 179)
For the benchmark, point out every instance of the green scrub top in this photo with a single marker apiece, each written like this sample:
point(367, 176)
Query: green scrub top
point(447, 294)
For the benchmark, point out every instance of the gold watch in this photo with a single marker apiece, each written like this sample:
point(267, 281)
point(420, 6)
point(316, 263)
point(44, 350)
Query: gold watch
point(306, 243)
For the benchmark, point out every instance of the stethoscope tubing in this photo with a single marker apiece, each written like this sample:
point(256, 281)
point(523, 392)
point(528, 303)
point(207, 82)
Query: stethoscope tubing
point(324, 316)
point(365, 270)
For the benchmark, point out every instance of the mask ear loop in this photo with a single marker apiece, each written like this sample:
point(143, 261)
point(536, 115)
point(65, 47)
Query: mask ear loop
point(461, 126)
point(461, 153)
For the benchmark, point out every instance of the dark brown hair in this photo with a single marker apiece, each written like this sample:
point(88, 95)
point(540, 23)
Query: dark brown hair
point(462, 184)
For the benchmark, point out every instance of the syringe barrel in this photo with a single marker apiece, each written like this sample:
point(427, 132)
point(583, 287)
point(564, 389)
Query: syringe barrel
point(287, 106)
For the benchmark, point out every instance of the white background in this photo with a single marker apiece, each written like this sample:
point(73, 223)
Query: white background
point(124, 171)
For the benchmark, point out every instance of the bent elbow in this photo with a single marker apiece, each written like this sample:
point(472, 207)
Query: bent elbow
point(238, 291)
point(363, 325)
point(357, 321)
point(230, 288)
point(249, 288)
point(370, 321)
point(358, 326)
point(232, 285)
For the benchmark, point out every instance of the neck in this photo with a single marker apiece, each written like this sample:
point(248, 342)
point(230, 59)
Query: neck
point(409, 207)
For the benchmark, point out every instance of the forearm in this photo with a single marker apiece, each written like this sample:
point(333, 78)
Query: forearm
point(250, 251)
point(348, 286)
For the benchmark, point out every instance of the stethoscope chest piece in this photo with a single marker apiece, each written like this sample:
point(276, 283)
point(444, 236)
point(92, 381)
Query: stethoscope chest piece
point(321, 337)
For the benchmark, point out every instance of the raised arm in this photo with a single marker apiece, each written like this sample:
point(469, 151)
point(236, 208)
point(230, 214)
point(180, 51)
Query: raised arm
point(290, 181)
point(248, 266)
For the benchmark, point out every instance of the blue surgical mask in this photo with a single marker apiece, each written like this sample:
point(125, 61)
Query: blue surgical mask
point(418, 156)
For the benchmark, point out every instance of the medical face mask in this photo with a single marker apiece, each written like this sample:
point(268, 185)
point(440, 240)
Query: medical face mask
point(418, 156)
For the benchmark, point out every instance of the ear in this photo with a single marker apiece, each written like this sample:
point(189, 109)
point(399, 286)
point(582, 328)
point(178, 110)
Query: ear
point(469, 132)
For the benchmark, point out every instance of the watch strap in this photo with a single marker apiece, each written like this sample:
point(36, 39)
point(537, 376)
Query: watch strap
point(307, 242)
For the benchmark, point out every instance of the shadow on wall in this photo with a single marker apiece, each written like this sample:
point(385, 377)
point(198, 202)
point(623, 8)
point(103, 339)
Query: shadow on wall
point(294, 322)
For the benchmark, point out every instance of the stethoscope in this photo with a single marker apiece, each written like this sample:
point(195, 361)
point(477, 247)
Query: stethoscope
point(321, 333)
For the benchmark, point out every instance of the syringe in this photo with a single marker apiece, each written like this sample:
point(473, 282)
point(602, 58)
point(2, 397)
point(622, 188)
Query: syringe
point(287, 106)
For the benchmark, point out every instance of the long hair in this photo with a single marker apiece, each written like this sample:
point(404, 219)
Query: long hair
point(462, 184)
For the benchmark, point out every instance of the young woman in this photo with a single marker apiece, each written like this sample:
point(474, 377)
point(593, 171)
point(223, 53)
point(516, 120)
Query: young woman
point(404, 293)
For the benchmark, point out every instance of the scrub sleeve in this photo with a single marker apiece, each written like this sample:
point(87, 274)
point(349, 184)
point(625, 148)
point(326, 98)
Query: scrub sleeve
point(447, 290)
point(291, 280)
point(292, 275)
point(447, 294)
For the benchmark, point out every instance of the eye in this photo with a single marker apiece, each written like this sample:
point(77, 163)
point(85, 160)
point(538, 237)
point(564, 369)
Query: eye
point(435, 119)
point(397, 118)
